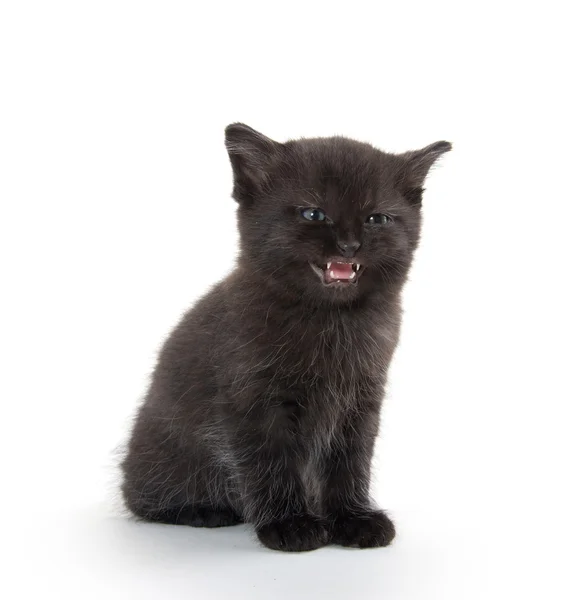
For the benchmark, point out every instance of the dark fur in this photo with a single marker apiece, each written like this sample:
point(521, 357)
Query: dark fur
point(264, 405)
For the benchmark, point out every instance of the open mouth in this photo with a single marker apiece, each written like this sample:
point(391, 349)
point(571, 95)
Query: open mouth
point(338, 272)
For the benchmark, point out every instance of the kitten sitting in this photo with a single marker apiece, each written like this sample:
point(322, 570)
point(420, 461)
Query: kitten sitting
point(265, 401)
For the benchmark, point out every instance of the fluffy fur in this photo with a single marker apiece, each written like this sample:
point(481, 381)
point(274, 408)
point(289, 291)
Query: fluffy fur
point(264, 405)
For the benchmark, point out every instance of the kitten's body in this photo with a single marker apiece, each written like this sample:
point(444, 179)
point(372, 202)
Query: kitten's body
point(265, 402)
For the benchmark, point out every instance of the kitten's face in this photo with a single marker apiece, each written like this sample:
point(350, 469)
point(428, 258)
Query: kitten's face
point(326, 219)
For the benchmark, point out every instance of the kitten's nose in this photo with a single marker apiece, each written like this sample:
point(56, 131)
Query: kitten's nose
point(348, 248)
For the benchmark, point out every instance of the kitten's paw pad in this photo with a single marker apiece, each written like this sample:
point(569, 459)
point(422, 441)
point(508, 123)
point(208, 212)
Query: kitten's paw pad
point(369, 530)
point(295, 534)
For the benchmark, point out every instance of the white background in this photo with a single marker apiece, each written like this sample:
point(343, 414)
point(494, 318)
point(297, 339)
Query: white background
point(116, 214)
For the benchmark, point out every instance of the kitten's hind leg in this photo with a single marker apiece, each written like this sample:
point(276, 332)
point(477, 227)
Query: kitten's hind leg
point(196, 516)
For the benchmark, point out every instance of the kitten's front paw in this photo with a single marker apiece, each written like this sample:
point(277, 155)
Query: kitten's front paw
point(294, 534)
point(368, 530)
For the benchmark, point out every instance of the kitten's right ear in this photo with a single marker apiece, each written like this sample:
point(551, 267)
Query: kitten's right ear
point(252, 156)
point(414, 167)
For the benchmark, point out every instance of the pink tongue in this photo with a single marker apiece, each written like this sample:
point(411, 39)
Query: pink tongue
point(340, 270)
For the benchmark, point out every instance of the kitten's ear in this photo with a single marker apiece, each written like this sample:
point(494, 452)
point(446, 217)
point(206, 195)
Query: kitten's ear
point(252, 156)
point(414, 167)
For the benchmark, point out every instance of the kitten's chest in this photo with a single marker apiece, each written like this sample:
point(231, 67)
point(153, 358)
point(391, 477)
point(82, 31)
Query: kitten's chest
point(344, 372)
point(326, 370)
point(341, 350)
point(326, 361)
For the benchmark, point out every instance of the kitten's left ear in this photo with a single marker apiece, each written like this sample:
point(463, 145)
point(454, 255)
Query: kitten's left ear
point(252, 156)
point(415, 165)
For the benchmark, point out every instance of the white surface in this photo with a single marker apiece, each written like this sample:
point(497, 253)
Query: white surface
point(116, 214)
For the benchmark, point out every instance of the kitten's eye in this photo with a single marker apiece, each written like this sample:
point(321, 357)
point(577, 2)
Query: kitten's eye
point(313, 214)
point(378, 219)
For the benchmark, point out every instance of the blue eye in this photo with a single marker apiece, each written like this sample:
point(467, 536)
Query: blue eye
point(378, 219)
point(313, 214)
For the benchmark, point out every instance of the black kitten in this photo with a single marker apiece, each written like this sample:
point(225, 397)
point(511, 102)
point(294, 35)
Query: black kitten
point(265, 402)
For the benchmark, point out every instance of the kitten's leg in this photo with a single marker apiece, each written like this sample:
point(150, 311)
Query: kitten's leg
point(268, 456)
point(354, 521)
point(151, 501)
point(188, 488)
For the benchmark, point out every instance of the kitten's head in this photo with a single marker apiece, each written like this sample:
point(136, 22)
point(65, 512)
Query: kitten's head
point(327, 219)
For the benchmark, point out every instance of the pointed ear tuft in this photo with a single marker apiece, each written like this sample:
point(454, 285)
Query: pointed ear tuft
point(252, 156)
point(415, 166)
